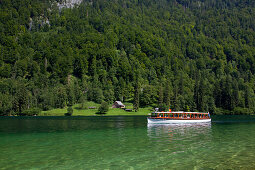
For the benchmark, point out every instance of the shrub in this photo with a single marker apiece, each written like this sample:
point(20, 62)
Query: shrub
point(31, 112)
point(187, 108)
point(103, 108)
point(163, 107)
point(69, 111)
point(242, 111)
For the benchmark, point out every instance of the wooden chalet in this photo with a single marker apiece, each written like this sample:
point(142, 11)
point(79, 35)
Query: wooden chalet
point(118, 104)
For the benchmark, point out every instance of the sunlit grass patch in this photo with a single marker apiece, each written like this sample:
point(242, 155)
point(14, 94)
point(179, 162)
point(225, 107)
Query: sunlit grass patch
point(86, 111)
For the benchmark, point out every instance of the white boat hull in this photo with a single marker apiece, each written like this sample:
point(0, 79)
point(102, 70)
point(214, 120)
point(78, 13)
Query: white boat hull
point(151, 120)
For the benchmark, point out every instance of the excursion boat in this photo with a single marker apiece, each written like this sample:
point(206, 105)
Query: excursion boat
point(179, 117)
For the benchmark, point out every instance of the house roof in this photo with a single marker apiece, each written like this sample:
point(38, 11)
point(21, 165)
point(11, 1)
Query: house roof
point(119, 103)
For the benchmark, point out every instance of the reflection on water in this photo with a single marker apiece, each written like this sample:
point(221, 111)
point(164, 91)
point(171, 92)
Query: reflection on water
point(171, 130)
point(67, 124)
point(180, 144)
point(206, 146)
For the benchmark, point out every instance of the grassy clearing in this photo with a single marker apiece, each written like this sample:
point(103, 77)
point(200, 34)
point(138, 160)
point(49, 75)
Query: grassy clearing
point(92, 112)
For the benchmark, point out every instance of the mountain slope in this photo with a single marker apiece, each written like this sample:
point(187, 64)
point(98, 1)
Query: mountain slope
point(178, 53)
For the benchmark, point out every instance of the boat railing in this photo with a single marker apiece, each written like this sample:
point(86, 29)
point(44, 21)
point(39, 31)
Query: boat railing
point(180, 115)
point(184, 112)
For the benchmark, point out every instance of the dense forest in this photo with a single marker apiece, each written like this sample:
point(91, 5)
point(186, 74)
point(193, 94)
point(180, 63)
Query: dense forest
point(196, 55)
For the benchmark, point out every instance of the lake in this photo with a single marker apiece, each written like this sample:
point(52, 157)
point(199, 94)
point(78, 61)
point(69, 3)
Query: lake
point(125, 142)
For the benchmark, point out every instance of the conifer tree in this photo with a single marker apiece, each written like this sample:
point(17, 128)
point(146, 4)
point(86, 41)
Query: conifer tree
point(161, 95)
point(167, 93)
point(136, 94)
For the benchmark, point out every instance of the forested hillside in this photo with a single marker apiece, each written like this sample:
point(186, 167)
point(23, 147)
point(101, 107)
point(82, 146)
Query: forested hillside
point(187, 54)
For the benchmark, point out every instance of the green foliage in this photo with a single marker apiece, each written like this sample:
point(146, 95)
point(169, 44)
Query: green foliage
point(61, 97)
point(148, 96)
point(31, 112)
point(163, 107)
point(242, 111)
point(96, 95)
point(6, 104)
point(177, 53)
point(82, 102)
point(136, 100)
point(69, 111)
point(103, 108)
point(187, 109)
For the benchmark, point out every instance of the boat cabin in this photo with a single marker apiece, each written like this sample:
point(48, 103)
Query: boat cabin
point(180, 115)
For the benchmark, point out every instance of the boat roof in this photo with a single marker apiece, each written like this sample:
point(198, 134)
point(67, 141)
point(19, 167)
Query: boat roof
point(184, 112)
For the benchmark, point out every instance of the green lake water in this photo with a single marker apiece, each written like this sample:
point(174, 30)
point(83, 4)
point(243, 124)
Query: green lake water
point(125, 142)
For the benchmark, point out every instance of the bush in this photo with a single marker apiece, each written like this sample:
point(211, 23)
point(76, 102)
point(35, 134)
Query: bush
point(187, 108)
point(220, 111)
point(242, 111)
point(163, 108)
point(69, 111)
point(103, 108)
point(31, 112)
